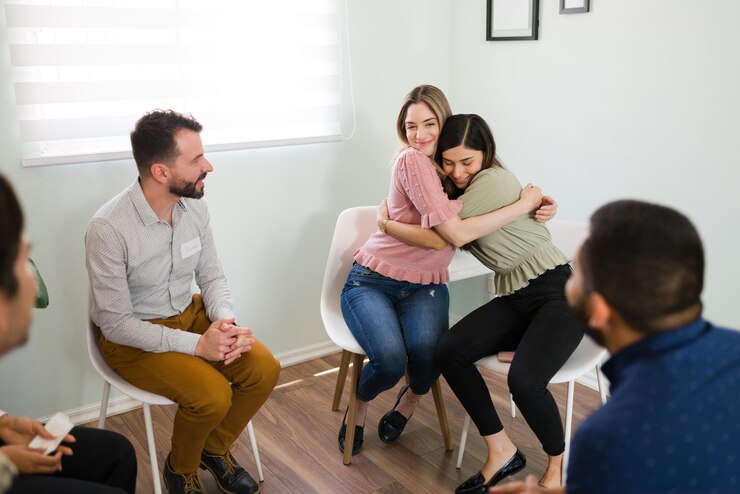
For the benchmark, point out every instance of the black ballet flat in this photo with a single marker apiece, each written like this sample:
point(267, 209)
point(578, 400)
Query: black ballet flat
point(359, 433)
point(478, 485)
point(393, 423)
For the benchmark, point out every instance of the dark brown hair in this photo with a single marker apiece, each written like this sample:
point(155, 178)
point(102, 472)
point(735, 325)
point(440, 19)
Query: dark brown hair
point(647, 261)
point(11, 229)
point(469, 131)
point(153, 138)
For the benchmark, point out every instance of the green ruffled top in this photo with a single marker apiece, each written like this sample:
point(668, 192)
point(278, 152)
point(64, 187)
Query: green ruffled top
point(517, 252)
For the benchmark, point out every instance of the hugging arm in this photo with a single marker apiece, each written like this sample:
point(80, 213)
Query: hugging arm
point(460, 232)
point(410, 234)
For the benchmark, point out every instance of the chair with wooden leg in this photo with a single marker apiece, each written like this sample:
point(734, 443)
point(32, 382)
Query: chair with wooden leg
point(353, 228)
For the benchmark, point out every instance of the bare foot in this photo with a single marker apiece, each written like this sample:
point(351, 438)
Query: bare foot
point(494, 463)
point(552, 477)
point(408, 403)
point(362, 407)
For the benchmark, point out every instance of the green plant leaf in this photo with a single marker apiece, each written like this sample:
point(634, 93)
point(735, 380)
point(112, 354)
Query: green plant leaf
point(42, 294)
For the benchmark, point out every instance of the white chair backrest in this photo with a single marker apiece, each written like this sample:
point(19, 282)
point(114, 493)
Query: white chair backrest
point(99, 363)
point(584, 359)
point(354, 226)
point(567, 235)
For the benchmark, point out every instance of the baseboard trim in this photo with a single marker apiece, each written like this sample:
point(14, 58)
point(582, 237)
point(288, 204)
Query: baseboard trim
point(307, 353)
point(91, 412)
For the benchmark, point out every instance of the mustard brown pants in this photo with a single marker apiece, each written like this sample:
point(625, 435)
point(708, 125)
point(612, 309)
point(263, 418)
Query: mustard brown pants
point(215, 401)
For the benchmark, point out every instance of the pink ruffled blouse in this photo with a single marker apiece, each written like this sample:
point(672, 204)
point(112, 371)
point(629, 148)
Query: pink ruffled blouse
point(416, 196)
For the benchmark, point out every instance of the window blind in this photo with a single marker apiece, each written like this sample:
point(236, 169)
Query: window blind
point(253, 72)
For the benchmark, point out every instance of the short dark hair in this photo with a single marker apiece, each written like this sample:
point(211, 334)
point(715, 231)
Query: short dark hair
point(11, 229)
point(469, 131)
point(647, 261)
point(153, 138)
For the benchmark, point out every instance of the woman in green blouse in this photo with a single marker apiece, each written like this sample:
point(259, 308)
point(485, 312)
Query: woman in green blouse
point(529, 315)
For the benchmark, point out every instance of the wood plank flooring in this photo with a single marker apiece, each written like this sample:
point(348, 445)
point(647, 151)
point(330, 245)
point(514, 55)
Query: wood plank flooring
point(297, 436)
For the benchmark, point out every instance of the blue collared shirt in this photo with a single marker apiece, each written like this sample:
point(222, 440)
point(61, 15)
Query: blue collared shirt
point(672, 424)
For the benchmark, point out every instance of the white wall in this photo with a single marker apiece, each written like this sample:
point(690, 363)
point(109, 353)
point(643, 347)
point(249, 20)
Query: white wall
point(635, 99)
point(273, 210)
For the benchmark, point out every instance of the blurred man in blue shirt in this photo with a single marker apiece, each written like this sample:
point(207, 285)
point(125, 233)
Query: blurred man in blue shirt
point(672, 424)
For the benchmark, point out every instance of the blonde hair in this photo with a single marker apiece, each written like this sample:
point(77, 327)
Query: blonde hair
point(436, 100)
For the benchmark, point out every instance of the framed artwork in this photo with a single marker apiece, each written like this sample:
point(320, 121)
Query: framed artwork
point(512, 20)
point(573, 6)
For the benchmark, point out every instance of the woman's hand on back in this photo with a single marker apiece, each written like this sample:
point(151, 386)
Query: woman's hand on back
point(531, 196)
point(547, 211)
point(381, 214)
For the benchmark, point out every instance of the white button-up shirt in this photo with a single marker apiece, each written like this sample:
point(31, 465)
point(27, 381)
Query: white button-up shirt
point(142, 268)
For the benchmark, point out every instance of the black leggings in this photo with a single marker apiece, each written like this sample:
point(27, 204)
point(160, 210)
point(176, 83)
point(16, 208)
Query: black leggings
point(535, 322)
point(103, 462)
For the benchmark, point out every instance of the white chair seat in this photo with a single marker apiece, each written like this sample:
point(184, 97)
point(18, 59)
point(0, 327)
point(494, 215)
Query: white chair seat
point(332, 317)
point(584, 358)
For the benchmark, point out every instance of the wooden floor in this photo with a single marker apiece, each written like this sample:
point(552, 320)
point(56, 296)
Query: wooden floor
point(297, 436)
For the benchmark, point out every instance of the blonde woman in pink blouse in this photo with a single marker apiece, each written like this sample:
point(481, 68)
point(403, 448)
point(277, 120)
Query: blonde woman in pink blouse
point(395, 300)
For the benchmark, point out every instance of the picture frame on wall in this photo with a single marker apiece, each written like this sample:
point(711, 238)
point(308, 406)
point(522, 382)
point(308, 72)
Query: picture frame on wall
point(573, 6)
point(512, 20)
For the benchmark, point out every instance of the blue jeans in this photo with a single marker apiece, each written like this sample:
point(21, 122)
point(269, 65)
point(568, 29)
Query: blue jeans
point(398, 324)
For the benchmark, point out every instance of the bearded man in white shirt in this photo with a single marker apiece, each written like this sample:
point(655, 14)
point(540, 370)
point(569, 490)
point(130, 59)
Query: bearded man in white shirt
point(144, 247)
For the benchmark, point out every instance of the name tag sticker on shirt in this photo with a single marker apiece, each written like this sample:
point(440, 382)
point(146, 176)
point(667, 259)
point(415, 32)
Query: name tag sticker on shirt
point(190, 247)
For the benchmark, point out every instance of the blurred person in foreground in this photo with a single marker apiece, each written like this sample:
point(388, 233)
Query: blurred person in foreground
point(89, 460)
point(672, 423)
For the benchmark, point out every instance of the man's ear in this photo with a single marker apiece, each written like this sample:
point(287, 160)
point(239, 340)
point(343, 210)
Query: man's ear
point(160, 172)
point(601, 311)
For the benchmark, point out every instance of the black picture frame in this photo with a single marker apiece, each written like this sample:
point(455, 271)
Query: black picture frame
point(514, 14)
point(583, 6)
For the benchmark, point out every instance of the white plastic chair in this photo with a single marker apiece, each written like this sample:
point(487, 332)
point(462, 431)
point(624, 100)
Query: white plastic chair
point(110, 377)
point(353, 228)
point(567, 235)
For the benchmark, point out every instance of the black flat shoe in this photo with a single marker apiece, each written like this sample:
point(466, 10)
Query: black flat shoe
point(392, 424)
point(359, 433)
point(478, 485)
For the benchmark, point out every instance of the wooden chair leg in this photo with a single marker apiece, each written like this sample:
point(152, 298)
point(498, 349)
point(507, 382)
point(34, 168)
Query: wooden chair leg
point(439, 403)
point(341, 377)
point(349, 437)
